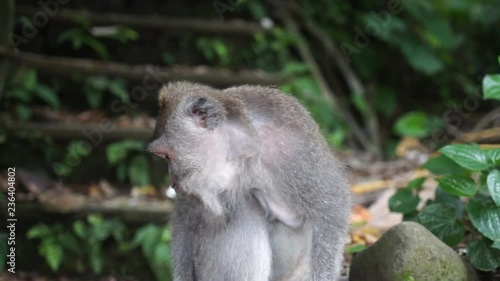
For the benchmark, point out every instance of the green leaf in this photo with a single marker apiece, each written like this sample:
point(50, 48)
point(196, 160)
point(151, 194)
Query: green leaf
point(493, 181)
point(412, 124)
point(416, 183)
point(80, 229)
point(467, 155)
point(403, 201)
point(161, 262)
point(386, 100)
point(496, 244)
point(19, 94)
point(485, 216)
point(69, 241)
point(441, 221)
point(48, 95)
point(458, 185)
point(96, 258)
point(138, 170)
point(117, 88)
point(355, 248)
point(421, 58)
point(117, 152)
point(94, 98)
point(38, 231)
point(449, 200)
point(493, 156)
point(361, 104)
point(29, 80)
point(441, 165)
point(482, 256)
point(98, 82)
point(491, 87)
point(23, 112)
point(52, 252)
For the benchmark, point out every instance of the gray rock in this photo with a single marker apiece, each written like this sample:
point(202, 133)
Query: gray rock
point(409, 252)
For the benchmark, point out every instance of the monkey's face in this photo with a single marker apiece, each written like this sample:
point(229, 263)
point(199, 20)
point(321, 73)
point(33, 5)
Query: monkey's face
point(191, 135)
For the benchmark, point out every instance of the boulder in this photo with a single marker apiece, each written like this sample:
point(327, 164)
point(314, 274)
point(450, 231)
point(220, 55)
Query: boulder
point(409, 252)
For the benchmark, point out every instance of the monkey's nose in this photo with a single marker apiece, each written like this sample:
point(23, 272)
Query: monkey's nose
point(159, 151)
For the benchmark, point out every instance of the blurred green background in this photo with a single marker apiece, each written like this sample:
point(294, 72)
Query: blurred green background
point(78, 84)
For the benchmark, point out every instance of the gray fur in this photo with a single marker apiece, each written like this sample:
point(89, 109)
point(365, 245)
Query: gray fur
point(260, 195)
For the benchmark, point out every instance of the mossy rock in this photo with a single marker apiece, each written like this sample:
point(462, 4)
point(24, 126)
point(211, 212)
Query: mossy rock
point(409, 252)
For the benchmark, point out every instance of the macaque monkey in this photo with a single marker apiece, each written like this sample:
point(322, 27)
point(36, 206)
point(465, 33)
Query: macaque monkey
point(260, 195)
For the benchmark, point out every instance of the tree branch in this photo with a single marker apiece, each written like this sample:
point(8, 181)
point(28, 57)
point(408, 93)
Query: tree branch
point(326, 91)
point(354, 83)
point(212, 76)
point(228, 27)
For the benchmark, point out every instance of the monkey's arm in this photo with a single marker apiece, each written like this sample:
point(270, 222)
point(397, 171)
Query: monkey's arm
point(276, 209)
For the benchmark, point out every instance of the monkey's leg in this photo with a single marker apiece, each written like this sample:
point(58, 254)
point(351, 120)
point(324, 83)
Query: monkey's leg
point(328, 245)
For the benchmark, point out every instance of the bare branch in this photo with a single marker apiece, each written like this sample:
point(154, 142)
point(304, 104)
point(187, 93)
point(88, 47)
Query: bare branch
point(179, 25)
point(212, 76)
point(326, 91)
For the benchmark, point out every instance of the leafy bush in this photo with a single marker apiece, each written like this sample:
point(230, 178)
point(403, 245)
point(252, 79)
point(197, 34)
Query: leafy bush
point(466, 207)
point(80, 245)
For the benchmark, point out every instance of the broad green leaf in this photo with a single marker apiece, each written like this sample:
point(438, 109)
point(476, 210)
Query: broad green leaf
point(458, 185)
point(361, 104)
point(94, 98)
point(485, 216)
point(161, 262)
point(95, 220)
point(493, 156)
point(449, 200)
point(421, 58)
point(80, 229)
point(138, 170)
point(403, 201)
point(467, 156)
point(491, 87)
point(117, 88)
point(23, 112)
point(482, 256)
point(29, 80)
point(98, 82)
point(442, 222)
point(412, 124)
point(117, 152)
point(416, 183)
point(386, 101)
point(52, 252)
point(19, 94)
point(355, 248)
point(496, 244)
point(38, 231)
point(441, 165)
point(96, 258)
point(493, 181)
point(47, 95)
point(69, 241)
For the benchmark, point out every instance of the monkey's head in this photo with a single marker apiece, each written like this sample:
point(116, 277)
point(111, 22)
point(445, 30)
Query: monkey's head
point(204, 136)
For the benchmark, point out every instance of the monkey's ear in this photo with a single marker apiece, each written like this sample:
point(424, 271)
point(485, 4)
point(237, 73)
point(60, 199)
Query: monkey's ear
point(205, 112)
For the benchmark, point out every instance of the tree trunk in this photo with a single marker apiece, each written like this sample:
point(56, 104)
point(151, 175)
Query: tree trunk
point(6, 20)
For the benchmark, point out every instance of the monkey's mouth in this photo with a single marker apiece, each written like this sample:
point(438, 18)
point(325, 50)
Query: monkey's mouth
point(174, 183)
